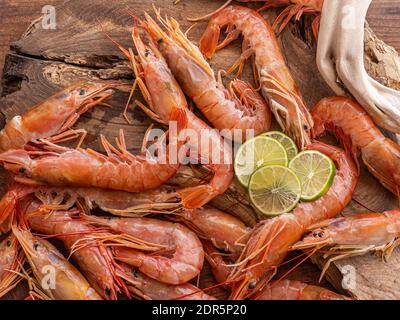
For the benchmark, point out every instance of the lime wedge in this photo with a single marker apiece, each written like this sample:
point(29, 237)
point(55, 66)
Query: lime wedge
point(255, 153)
point(285, 141)
point(274, 190)
point(315, 171)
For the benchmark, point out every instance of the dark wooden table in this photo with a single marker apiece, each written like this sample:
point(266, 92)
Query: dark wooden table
point(16, 15)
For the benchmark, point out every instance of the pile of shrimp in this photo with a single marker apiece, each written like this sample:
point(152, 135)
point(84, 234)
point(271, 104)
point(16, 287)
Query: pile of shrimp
point(129, 232)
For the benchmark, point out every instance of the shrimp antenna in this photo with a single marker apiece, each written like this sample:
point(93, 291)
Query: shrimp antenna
point(308, 255)
point(209, 15)
point(122, 48)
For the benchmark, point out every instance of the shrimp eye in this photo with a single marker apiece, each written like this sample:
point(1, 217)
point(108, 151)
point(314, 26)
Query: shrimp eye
point(146, 53)
point(82, 92)
point(318, 234)
point(135, 273)
point(22, 170)
point(35, 246)
point(252, 284)
point(108, 291)
point(8, 243)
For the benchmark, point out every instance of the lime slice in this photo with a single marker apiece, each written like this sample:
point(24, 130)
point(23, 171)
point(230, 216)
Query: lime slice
point(274, 190)
point(285, 141)
point(315, 171)
point(255, 153)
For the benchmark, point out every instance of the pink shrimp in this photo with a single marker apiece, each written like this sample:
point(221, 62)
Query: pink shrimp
point(348, 121)
point(296, 290)
point(113, 201)
point(95, 260)
point(54, 115)
point(184, 255)
point(41, 254)
point(354, 235)
point(119, 170)
point(294, 8)
point(10, 264)
point(276, 82)
point(272, 239)
point(164, 198)
point(162, 93)
point(149, 289)
point(236, 111)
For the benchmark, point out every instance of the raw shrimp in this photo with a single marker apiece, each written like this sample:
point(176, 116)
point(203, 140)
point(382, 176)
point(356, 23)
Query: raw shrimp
point(162, 93)
point(119, 170)
point(10, 264)
point(95, 260)
point(347, 120)
point(294, 8)
point(223, 230)
point(271, 239)
point(276, 82)
point(237, 111)
point(183, 257)
point(164, 198)
point(150, 289)
point(296, 290)
point(354, 235)
point(54, 115)
point(45, 259)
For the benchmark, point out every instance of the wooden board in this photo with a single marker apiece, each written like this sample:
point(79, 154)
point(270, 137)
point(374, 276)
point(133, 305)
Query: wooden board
point(45, 60)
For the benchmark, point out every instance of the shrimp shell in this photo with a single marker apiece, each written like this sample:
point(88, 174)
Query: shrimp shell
point(354, 127)
point(277, 84)
point(181, 265)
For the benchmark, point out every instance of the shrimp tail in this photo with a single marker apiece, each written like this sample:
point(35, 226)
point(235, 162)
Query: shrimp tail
point(195, 197)
point(7, 207)
point(209, 40)
point(179, 115)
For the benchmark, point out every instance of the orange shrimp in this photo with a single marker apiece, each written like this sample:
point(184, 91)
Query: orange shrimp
point(296, 290)
point(113, 201)
point(354, 235)
point(163, 199)
point(10, 264)
point(45, 259)
point(237, 111)
point(150, 289)
point(95, 261)
point(347, 120)
point(183, 257)
point(54, 115)
point(294, 8)
point(119, 170)
point(162, 94)
point(276, 82)
point(271, 239)
point(223, 230)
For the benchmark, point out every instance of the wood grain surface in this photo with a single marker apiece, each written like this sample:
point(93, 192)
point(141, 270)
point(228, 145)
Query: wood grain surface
point(17, 15)
point(44, 60)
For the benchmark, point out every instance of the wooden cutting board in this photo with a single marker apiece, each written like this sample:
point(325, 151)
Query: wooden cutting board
point(45, 60)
